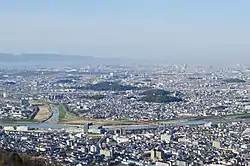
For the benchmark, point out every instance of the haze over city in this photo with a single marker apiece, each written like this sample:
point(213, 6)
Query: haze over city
point(196, 32)
point(124, 83)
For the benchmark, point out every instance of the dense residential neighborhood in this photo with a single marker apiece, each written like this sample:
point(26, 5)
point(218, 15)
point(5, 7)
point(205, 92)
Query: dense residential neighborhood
point(113, 115)
point(125, 83)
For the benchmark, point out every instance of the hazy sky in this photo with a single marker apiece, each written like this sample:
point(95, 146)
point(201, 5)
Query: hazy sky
point(134, 28)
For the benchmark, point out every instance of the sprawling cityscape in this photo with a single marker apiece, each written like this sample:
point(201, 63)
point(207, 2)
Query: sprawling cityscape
point(117, 115)
point(124, 83)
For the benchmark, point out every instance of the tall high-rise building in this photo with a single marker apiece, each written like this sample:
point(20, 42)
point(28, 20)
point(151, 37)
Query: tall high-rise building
point(157, 154)
point(217, 144)
point(107, 153)
point(248, 92)
point(86, 128)
point(5, 95)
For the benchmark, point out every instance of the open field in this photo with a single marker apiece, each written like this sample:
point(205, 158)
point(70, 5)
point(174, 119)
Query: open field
point(64, 113)
point(43, 114)
point(39, 102)
point(44, 110)
point(79, 121)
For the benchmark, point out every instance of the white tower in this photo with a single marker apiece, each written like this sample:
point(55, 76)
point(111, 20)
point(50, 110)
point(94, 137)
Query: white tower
point(248, 92)
point(5, 95)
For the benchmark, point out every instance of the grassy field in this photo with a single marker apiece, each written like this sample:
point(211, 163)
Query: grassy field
point(44, 110)
point(80, 121)
point(64, 113)
point(40, 102)
point(11, 121)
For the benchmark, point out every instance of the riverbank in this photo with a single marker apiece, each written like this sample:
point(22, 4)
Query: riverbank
point(54, 118)
point(54, 121)
point(81, 121)
point(44, 110)
point(64, 113)
point(11, 121)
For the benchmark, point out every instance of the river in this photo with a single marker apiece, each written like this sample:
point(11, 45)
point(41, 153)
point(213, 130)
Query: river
point(51, 123)
point(55, 115)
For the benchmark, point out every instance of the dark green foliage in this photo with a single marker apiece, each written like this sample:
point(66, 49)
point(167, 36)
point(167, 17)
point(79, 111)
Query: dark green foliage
point(234, 80)
point(66, 81)
point(160, 99)
point(219, 107)
point(155, 92)
point(195, 78)
point(110, 86)
point(8, 83)
point(8, 158)
point(160, 96)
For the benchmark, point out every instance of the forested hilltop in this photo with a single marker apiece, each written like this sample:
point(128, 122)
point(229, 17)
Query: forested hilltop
point(8, 158)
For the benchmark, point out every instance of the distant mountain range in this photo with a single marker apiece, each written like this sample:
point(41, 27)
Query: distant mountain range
point(57, 60)
point(33, 57)
point(51, 60)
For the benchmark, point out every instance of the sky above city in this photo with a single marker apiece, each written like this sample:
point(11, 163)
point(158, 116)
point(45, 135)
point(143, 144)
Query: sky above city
point(161, 29)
